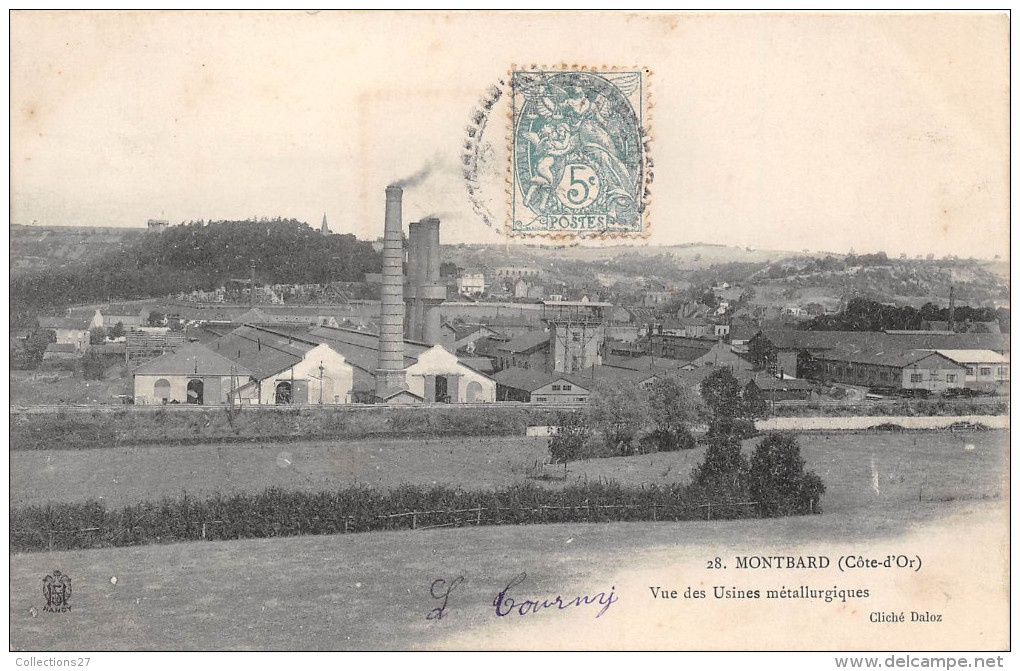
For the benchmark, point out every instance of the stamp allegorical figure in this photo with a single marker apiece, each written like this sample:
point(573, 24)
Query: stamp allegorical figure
point(578, 152)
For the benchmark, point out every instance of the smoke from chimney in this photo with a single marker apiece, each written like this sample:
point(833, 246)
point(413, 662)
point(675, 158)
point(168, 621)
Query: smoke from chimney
point(417, 178)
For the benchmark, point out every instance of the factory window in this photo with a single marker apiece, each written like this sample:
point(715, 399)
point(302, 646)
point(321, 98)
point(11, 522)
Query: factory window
point(950, 378)
point(568, 387)
point(541, 398)
point(580, 399)
point(576, 337)
point(556, 387)
point(161, 390)
point(196, 389)
point(883, 376)
point(986, 371)
point(970, 371)
point(916, 377)
point(1002, 371)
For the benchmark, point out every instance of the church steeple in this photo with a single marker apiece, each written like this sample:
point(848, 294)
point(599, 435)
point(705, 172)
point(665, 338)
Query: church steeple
point(325, 225)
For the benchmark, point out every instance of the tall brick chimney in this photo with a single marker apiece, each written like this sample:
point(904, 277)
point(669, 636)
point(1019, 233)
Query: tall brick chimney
point(390, 377)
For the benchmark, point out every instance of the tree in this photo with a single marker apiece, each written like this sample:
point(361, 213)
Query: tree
point(721, 393)
point(97, 335)
point(92, 366)
point(36, 344)
point(732, 410)
point(674, 408)
point(723, 472)
point(778, 481)
point(117, 331)
point(754, 404)
point(570, 442)
point(617, 411)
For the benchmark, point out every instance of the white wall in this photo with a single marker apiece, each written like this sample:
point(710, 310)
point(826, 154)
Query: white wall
point(338, 374)
point(438, 361)
point(547, 394)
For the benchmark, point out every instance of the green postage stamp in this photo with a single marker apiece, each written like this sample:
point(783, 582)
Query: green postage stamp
point(579, 153)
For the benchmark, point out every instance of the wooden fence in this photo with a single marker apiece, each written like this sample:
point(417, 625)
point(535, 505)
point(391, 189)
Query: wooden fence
point(418, 520)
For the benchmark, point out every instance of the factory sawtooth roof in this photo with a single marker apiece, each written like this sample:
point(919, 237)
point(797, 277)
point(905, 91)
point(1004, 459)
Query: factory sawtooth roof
point(973, 356)
point(595, 374)
point(264, 352)
point(645, 362)
point(527, 342)
point(885, 340)
point(528, 379)
point(192, 359)
point(481, 364)
point(891, 358)
point(359, 348)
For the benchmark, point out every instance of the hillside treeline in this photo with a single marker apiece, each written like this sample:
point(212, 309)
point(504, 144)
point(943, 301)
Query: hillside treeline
point(862, 314)
point(200, 255)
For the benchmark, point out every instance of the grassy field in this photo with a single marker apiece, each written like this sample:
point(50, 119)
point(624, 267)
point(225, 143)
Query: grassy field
point(859, 470)
point(938, 495)
point(29, 388)
point(371, 591)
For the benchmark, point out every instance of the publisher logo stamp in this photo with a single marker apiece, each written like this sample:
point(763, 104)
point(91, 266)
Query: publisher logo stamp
point(57, 590)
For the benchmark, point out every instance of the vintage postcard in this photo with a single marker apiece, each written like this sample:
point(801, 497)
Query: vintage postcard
point(357, 331)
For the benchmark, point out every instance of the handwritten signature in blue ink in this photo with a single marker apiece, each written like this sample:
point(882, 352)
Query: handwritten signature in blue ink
point(441, 589)
point(505, 605)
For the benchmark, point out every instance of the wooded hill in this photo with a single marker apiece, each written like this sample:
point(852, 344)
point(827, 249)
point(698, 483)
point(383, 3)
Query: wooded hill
point(198, 255)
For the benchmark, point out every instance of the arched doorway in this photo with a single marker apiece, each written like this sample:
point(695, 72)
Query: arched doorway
point(161, 391)
point(474, 392)
point(196, 389)
point(284, 393)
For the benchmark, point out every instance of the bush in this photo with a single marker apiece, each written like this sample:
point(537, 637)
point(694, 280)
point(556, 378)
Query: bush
point(723, 473)
point(674, 408)
point(738, 429)
point(617, 412)
point(223, 424)
point(670, 441)
point(570, 442)
point(777, 479)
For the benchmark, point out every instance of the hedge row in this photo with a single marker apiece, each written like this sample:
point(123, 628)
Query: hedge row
point(904, 408)
point(77, 430)
point(277, 512)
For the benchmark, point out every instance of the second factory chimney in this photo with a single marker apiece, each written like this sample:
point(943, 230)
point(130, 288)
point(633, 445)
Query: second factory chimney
point(431, 290)
point(415, 278)
point(390, 376)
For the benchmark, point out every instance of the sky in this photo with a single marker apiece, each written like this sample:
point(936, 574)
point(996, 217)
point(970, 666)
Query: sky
point(821, 132)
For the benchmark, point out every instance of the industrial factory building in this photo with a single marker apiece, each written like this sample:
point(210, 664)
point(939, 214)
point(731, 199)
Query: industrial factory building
point(300, 363)
point(432, 373)
point(248, 366)
point(280, 365)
